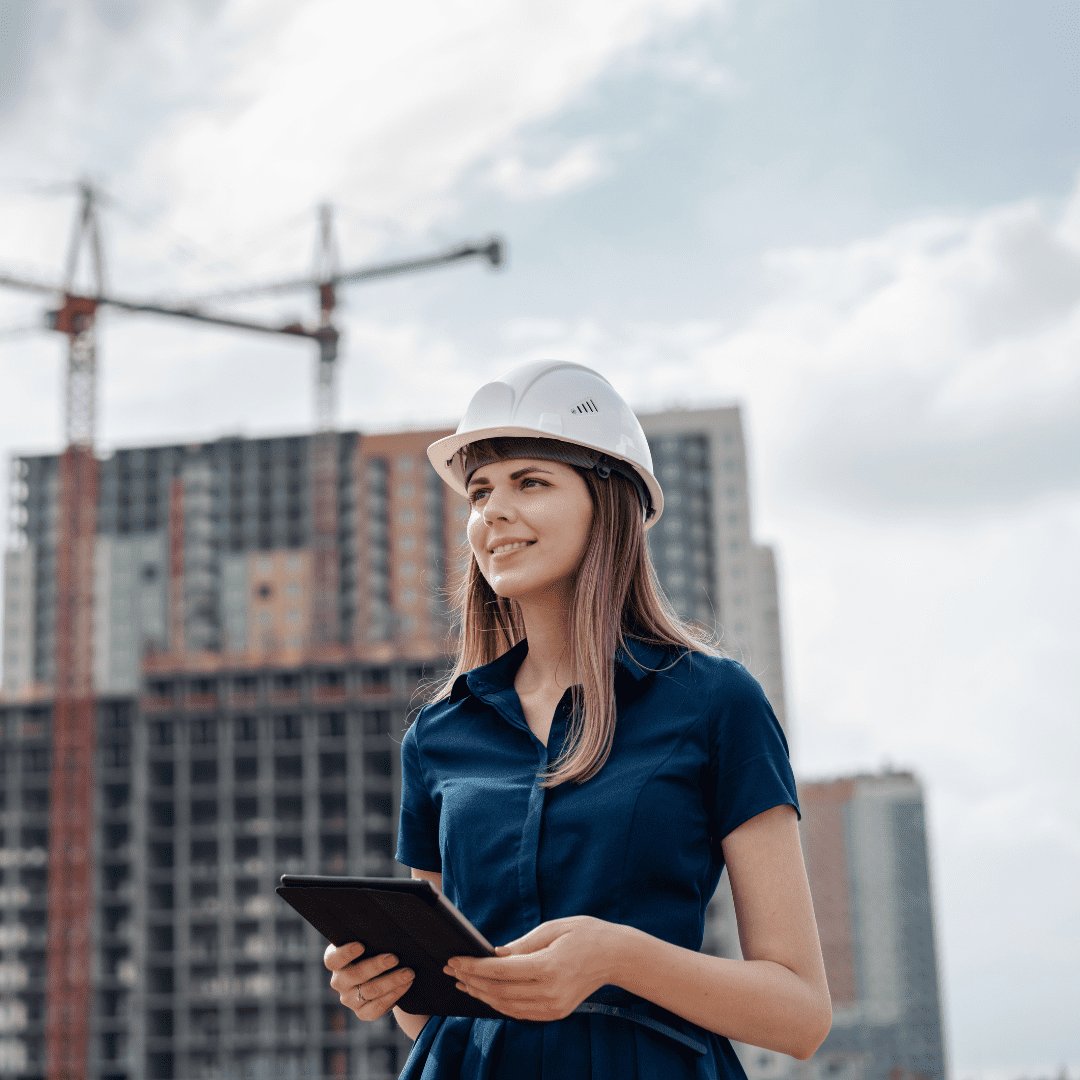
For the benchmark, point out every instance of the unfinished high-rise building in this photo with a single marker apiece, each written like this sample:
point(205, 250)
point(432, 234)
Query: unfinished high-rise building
point(868, 860)
point(234, 743)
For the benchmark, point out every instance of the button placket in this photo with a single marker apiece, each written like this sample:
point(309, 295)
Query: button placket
point(530, 888)
point(508, 705)
point(529, 860)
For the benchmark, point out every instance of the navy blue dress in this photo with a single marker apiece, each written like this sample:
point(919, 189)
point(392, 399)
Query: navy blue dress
point(697, 751)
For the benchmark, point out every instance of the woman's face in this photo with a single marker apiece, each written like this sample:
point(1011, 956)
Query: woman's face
point(529, 526)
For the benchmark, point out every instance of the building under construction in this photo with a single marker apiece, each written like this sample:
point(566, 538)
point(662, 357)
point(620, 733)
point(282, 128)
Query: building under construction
point(237, 740)
point(868, 862)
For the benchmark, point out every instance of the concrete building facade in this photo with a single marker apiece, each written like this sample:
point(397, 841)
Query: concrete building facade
point(866, 849)
point(209, 784)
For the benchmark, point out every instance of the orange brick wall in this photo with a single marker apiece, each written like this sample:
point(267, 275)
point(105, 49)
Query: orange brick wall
point(279, 599)
point(408, 506)
point(822, 831)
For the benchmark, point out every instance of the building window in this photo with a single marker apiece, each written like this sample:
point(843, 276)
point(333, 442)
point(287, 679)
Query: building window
point(288, 768)
point(331, 766)
point(204, 772)
point(376, 722)
point(36, 760)
point(332, 725)
point(287, 727)
point(246, 768)
point(377, 763)
point(245, 728)
point(203, 732)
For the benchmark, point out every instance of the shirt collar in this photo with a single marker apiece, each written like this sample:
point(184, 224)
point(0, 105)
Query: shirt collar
point(640, 659)
point(637, 660)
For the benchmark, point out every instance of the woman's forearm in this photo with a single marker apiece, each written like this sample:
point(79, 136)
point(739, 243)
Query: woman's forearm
point(752, 1001)
point(410, 1023)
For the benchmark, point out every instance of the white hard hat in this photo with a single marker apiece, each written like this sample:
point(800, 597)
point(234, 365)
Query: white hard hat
point(552, 399)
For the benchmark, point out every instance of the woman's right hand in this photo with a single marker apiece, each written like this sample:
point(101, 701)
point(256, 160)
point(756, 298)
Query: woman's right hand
point(368, 987)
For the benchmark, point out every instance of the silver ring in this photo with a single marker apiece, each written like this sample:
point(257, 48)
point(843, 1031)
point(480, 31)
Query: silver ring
point(360, 994)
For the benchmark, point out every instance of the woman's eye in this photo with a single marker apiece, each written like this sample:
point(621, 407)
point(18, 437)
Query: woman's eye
point(474, 496)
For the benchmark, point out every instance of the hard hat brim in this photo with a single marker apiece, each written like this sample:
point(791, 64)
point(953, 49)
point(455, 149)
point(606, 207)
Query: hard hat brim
point(444, 458)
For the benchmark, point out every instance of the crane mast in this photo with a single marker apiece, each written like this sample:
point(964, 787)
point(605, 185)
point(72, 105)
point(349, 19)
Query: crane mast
point(71, 803)
point(326, 613)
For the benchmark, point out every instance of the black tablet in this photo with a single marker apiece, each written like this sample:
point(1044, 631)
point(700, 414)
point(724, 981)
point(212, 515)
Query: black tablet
point(404, 916)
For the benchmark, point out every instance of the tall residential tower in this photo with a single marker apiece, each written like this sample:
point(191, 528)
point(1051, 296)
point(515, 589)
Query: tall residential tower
point(866, 848)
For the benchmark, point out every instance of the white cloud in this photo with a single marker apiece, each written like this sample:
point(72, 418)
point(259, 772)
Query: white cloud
point(387, 112)
point(515, 177)
point(877, 372)
point(691, 64)
point(699, 72)
point(216, 127)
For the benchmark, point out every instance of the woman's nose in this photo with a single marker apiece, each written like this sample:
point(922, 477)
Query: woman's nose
point(497, 506)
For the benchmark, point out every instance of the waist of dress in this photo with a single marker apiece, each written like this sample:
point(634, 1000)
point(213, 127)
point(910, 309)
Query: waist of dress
point(614, 1001)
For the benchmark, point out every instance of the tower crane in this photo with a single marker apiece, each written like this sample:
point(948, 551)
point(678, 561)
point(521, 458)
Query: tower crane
point(70, 888)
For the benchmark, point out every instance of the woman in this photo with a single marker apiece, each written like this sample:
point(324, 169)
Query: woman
point(582, 778)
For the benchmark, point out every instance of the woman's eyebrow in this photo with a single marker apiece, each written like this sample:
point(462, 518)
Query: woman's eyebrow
point(516, 475)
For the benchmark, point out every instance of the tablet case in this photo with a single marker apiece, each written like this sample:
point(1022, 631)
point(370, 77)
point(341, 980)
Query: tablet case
point(405, 917)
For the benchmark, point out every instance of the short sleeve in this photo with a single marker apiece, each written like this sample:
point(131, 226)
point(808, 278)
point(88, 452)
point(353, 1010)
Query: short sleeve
point(750, 769)
point(418, 824)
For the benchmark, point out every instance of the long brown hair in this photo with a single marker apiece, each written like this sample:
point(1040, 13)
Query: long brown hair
point(616, 595)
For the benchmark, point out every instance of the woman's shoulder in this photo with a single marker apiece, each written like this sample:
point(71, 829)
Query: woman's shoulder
point(435, 713)
point(707, 671)
point(721, 669)
point(429, 714)
point(710, 684)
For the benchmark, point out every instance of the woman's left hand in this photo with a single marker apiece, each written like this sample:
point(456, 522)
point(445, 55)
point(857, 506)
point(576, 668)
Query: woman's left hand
point(544, 975)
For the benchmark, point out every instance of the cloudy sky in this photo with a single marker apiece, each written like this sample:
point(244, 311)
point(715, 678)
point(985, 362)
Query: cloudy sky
point(860, 221)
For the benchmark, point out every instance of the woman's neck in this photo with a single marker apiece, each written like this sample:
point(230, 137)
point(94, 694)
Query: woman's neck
point(547, 664)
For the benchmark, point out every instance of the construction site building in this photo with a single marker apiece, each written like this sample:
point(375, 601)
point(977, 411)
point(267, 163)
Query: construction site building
point(867, 858)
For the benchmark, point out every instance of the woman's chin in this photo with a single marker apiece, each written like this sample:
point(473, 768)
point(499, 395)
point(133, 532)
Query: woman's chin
point(508, 590)
point(513, 586)
point(526, 592)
